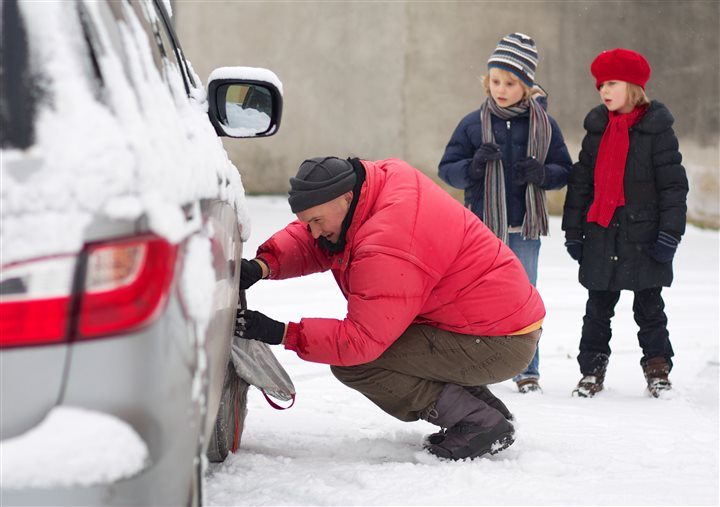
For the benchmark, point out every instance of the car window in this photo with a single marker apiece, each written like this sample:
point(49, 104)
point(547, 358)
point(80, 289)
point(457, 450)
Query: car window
point(167, 30)
point(165, 55)
point(17, 85)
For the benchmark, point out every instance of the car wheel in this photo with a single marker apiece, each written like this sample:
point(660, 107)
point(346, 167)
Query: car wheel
point(230, 420)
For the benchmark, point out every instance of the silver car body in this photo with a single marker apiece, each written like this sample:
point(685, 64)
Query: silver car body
point(175, 194)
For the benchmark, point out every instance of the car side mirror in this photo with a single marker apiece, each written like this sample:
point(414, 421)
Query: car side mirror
point(244, 102)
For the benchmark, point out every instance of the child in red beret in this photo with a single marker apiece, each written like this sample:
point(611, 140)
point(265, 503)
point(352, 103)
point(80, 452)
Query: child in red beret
point(624, 215)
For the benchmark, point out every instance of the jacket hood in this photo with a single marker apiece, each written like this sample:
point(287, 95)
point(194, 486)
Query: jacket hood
point(657, 119)
point(542, 100)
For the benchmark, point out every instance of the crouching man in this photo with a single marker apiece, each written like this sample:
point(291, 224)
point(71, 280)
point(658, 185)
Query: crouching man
point(437, 306)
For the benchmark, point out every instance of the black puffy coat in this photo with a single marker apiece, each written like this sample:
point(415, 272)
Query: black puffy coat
point(656, 187)
point(512, 137)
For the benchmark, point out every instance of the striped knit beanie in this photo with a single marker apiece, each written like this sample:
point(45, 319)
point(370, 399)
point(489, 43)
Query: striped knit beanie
point(516, 53)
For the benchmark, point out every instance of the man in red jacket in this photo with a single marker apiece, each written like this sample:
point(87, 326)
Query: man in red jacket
point(438, 306)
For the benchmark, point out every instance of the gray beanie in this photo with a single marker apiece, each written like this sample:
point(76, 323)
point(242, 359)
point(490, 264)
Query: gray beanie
point(320, 180)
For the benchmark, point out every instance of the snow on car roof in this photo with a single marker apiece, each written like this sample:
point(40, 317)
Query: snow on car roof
point(133, 147)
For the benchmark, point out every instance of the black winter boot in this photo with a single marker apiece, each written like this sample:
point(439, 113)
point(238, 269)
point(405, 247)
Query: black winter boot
point(481, 393)
point(474, 428)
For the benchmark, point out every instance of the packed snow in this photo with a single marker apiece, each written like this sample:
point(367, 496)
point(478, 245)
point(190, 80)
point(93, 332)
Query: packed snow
point(249, 121)
point(334, 447)
point(72, 446)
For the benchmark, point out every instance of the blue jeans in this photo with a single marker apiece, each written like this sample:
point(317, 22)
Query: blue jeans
point(528, 251)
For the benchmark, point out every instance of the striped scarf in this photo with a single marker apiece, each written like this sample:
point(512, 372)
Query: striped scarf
point(535, 221)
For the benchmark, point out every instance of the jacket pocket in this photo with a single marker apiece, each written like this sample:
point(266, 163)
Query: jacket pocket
point(642, 225)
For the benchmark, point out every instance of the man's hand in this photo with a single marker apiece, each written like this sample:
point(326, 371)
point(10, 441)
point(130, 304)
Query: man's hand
point(529, 170)
point(486, 152)
point(250, 273)
point(252, 325)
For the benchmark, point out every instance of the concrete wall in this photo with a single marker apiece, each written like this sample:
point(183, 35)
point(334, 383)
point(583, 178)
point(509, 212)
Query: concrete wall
point(392, 79)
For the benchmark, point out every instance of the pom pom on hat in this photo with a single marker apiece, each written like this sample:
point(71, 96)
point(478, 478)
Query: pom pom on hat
point(620, 65)
point(517, 54)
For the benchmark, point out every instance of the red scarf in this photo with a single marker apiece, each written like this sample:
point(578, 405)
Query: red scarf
point(610, 166)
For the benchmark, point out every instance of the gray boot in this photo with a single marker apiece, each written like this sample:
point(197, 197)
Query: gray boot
point(484, 394)
point(474, 428)
point(481, 393)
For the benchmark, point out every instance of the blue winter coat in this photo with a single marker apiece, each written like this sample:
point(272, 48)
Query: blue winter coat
point(512, 137)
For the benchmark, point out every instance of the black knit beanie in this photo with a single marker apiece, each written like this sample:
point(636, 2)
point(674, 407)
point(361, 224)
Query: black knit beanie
point(320, 180)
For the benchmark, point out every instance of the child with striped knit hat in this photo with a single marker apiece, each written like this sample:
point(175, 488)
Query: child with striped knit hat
point(505, 155)
point(624, 216)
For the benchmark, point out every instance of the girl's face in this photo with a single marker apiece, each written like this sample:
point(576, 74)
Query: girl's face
point(614, 94)
point(505, 89)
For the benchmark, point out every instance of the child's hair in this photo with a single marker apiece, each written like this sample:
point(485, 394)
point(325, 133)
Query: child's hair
point(636, 95)
point(527, 91)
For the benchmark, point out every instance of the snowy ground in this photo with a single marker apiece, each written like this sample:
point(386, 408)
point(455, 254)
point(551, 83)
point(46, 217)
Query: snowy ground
point(622, 448)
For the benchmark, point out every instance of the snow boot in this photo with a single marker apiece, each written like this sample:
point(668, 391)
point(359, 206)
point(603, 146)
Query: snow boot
point(529, 385)
point(656, 372)
point(481, 393)
point(484, 394)
point(474, 428)
point(592, 381)
point(589, 386)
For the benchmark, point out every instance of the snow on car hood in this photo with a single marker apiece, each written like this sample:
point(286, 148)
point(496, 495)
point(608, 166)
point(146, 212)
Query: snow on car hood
point(72, 447)
point(118, 152)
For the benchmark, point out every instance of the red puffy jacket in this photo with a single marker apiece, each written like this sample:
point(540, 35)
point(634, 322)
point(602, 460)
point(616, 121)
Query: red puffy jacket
point(414, 255)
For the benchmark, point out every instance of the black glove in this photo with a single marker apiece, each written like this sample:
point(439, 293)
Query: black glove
point(575, 248)
point(250, 272)
point(258, 326)
point(664, 248)
point(486, 151)
point(528, 170)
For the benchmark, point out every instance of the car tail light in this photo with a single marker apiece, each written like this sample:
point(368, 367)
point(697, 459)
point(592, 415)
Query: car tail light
point(126, 284)
point(123, 285)
point(35, 301)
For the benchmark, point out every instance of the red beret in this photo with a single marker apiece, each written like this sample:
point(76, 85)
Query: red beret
point(620, 65)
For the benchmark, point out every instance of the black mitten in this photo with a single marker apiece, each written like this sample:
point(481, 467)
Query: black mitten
point(664, 248)
point(486, 152)
point(528, 170)
point(575, 248)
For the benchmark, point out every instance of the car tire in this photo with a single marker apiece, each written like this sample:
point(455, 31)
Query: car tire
point(230, 420)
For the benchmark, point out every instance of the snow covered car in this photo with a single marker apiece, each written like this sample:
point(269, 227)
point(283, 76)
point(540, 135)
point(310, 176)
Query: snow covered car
point(120, 243)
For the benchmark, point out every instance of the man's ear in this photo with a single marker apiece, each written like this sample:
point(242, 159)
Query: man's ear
point(348, 197)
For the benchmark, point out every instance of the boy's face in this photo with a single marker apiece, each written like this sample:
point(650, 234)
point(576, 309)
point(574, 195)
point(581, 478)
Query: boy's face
point(325, 220)
point(505, 89)
point(614, 94)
